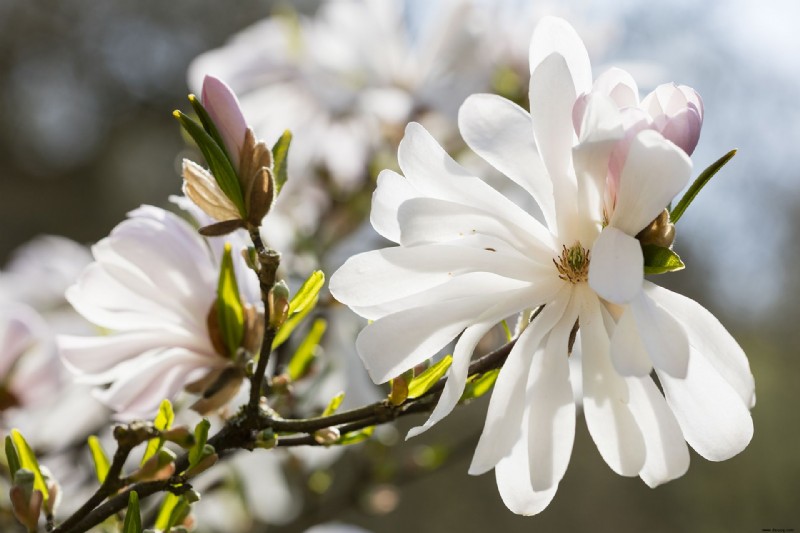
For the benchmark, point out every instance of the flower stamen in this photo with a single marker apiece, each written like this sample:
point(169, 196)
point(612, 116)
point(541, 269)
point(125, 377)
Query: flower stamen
point(573, 263)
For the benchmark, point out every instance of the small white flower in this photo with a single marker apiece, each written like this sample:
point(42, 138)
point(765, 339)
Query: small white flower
point(469, 257)
point(152, 284)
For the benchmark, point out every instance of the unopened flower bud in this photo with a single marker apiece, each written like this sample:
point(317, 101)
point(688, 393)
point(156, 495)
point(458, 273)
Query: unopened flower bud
point(327, 436)
point(180, 435)
point(53, 491)
point(660, 232)
point(192, 496)
point(280, 384)
point(278, 304)
point(399, 391)
point(160, 466)
point(205, 463)
point(26, 503)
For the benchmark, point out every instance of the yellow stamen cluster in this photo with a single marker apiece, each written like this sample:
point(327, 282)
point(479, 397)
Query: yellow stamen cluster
point(573, 263)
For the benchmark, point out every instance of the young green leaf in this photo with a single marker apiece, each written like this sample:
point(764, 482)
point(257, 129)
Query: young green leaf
point(168, 509)
point(306, 352)
point(334, 404)
point(479, 385)
point(420, 384)
point(100, 459)
point(698, 185)
point(27, 460)
point(217, 160)
point(280, 156)
point(208, 125)
point(308, 292)
point(133, 519)
point(163, 421)
point(355, 437)
point(659, 260)
point(230, 311)
point(291, 324)
point(12, 457)
point(200, 438)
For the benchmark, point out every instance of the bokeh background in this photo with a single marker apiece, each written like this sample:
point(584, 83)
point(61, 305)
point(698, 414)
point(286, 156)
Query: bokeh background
point(86, 134)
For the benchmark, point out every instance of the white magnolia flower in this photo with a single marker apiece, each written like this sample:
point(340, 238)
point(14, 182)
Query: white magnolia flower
point(153, 284)
point(469, 257)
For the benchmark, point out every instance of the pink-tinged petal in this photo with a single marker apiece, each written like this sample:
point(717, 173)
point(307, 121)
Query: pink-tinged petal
point(379, 276)
point(224, 110)
point(667, 454)
point(616, 266)
point(605, 397)
point(551, 422)
point(95, 359)
point(628, 352)
point(553, 35)
point(499, 131)
point(434, 173)
point(456, 375)
point(655, 171)
point(514, 483)
point(392, 190)
point(710, 339)
point(619, 85)
point(429, 220)
point(662, 335)
point(139, 391)
point(21, 328)
point(552, 96)
point(712, 416)
point(505, 415)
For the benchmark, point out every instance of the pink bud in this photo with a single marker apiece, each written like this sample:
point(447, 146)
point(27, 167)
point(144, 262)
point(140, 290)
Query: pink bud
point(223, 107)
point(677, 113)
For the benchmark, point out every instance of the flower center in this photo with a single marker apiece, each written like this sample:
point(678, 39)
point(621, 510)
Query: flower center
point(573, 263)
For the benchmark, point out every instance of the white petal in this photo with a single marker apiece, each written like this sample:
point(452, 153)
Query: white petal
point(654, 172)
point(514, 483)
point(392, 190)
point(434, 173)
point(552, 96)
point(456, 375)
point(709, 338)
point(555, 35)
point(426, 220)
point(667, 454)
point(605, 398)
point(662, 335)
point(628, 352)
point(383, 275)
point(500, 132)
point(504, 417)
point(616, 266)
point(551, 420)
point(712, 416)
point(619, 85)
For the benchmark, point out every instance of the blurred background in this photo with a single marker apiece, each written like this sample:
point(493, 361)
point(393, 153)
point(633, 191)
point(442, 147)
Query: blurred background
point(87, 134)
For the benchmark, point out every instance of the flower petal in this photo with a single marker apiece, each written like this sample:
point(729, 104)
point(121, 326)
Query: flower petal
point(605, 397)
point(551, 430)
point(223, 108)
point(504, 418)
point(434, 173)
point(709, 338)
point(619, 85)
point(552, 96)
point(662, 335)
point(616, 267)
point(712, 416)
point(499, 131)
point(514, 482)
point(628, 352)
point(667, 454)
point(654, 172)
point(556, 35)
point(392, 190)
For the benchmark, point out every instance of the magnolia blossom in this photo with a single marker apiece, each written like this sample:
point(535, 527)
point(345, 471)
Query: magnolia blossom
point(153, 287)
point(469, 257)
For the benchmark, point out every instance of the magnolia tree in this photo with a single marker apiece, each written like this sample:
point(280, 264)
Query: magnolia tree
point(196, 315)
